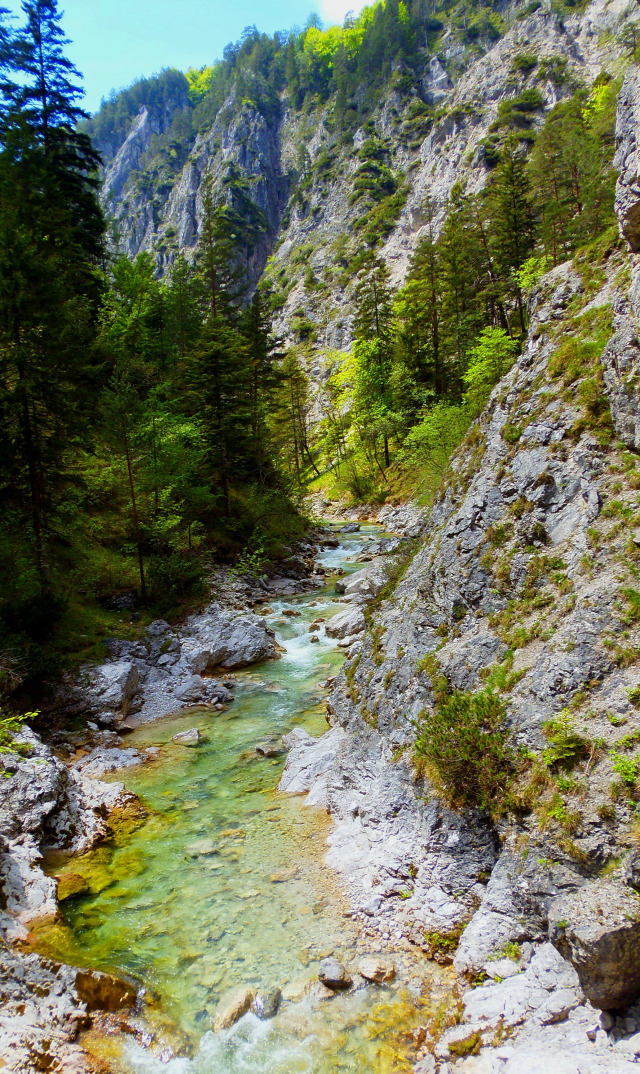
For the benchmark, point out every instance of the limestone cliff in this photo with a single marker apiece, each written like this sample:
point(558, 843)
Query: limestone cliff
point(526, 580)
point(299, 176)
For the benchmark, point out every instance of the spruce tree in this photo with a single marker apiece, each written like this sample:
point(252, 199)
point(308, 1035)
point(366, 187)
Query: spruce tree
point(51, 231)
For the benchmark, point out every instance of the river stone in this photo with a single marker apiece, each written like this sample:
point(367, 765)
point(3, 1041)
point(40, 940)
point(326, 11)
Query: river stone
point(188, 738)
point(267, 1004)
point(375, 969)
point(351, 527)
point(272, 748)
point(104, 991)
point(231, 1007)
point(194, 689)
point(201, 848)
point(597, 929)
point(345, 623)
point(333, 974)
point(283, 875)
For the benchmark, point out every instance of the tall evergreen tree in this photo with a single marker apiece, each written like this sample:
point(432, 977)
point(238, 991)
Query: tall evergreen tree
point(51, 230)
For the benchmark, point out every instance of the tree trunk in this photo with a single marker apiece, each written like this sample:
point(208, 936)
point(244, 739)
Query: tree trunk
point(134, 509)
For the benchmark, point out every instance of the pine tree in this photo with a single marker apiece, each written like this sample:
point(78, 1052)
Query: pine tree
point(510, 235)
point(373, 344)
point(51, 231)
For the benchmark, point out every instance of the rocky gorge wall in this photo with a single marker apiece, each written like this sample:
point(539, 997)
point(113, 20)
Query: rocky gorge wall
point(300, 177)
point(524, 581)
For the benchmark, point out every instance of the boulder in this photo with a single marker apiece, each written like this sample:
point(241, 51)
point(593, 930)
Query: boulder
point(351, 527)
point(333, 974)
point(194, 689)
point(375, 969)
point(597, 929)
point(345, 623)
point(309, 762)
point(231, 1007)
point(221, 638)
point(366, 583)
point(188, 738)
point(104, 991)
point(267, 1004)
point(114, 685)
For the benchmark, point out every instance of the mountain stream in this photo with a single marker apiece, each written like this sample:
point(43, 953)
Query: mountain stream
point(190, 902)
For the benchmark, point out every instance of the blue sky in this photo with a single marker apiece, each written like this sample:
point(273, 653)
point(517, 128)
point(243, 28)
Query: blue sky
point(116, 41)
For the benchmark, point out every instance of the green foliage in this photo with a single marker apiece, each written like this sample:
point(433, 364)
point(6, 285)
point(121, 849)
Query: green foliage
point(566, 747)
point(632, 598)
point(251, 560)
point(465, 745)
point(524, 62)
point(625, 767)
point(531, 272)
point(10, 726)
point(489, 359)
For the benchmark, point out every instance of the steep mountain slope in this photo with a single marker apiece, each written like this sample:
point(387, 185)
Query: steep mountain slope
point(524, 584)
point(315, 193)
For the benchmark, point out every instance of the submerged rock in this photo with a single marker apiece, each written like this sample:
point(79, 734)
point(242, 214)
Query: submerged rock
point(231, 1008)
point(104, 991)
point(375, 969)
point(201, 848)
point(271, 748)
point(281, 876)
point(267, 1004)
point(333, 974)
point(597, 929)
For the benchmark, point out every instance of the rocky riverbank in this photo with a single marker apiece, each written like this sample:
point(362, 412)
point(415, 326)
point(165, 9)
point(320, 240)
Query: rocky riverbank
point(55, 804)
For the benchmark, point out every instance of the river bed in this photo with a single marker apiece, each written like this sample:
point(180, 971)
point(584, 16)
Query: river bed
point(191, 903)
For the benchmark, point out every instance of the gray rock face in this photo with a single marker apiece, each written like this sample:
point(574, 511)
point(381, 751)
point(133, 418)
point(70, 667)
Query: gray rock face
point(627, 160)
point(467, 83)
point(114, 685)
point(309, 761)
point(45, 805)
point(598, 930)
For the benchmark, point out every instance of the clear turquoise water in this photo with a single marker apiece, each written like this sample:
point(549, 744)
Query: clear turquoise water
point(192, 925)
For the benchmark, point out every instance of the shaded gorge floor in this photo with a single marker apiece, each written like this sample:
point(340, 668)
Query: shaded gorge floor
point(191, 903)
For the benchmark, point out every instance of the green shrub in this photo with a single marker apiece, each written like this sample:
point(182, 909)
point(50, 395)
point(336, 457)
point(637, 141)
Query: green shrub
point(9, 727)
point(625, 767)
point(465, 744)
point(524, 62)
point(174, 577)
point(566, 747)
